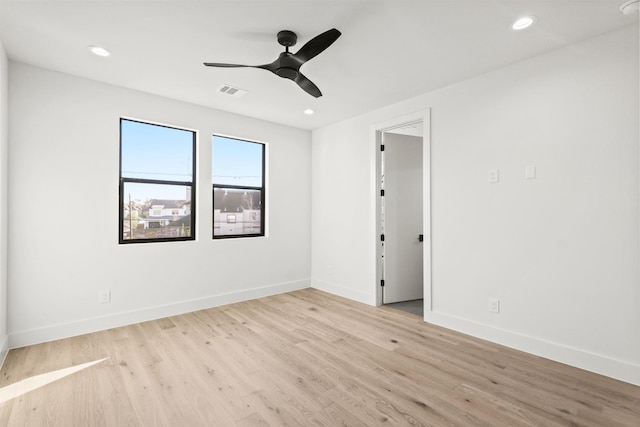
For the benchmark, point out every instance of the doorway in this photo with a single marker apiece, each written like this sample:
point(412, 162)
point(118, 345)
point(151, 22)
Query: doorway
point(403, 255)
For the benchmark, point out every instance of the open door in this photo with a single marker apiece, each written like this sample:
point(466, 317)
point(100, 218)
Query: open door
point(401, 215)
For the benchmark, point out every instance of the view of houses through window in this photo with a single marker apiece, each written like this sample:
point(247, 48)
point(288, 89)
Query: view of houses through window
point(238, 187)
point(157, 186)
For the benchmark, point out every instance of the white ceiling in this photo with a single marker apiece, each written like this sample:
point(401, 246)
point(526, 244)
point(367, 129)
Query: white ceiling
point(390, 50)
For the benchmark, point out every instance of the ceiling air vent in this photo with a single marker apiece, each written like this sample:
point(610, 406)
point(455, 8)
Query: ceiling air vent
point(232, 91)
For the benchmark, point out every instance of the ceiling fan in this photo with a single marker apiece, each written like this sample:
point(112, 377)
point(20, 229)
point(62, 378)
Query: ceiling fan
point(288, 64)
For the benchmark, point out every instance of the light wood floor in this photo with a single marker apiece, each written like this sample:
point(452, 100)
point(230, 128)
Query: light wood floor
point(304, 358)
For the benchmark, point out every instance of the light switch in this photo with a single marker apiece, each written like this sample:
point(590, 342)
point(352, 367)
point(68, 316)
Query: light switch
point(530, 172)
point(494, 305)
point(494, 175)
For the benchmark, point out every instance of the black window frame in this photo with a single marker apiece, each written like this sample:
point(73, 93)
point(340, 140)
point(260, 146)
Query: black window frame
point(124, 180)
point(262, 190)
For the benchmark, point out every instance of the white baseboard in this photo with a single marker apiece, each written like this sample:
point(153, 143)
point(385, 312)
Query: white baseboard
point(613, 368)
point(340, 291)
point(85, 326)
point(600, 364)
point(4, 349)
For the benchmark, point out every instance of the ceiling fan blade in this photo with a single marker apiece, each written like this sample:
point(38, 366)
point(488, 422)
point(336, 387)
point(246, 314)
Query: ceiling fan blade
point(317, 44)
point(308, 86)
point(217, 64)
point(269, 67)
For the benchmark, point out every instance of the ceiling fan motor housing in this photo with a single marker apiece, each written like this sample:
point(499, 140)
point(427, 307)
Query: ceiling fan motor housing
point(288, 66)
point(287, 73)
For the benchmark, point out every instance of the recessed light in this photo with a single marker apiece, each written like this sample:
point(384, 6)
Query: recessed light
point(630, 7)
point(309, 111)
point(524, 22)
point(100, 51)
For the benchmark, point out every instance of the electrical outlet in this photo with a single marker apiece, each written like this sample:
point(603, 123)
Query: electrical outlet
point(104, 297)
point(494, 305)
point(494, 176)
point(530, 172)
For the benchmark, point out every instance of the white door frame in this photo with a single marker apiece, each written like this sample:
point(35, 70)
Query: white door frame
point(378, 130)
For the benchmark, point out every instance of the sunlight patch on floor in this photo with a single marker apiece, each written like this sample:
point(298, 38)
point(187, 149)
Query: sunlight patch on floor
point(29, 384)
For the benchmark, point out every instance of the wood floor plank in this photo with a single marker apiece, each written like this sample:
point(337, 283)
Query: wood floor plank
point(304, 358)
point(253, 420)
point(198, 380)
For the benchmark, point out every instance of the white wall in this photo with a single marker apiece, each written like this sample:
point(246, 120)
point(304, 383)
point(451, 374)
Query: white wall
point(64, 140)
point(560, 251)
point(4, 141)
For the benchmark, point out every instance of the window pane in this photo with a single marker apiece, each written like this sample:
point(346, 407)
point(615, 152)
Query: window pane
point(237, 162)
point(156, 152)
point(237, 211)
point(156, 211)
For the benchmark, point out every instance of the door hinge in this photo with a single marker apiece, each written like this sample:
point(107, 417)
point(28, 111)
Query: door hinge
point(382, 283)
point(382, 193)
point(382, 237)
point(382, 147)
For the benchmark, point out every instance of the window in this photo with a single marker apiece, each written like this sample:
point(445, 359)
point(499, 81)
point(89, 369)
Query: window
point(238, 188)
point(157, 169)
